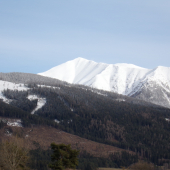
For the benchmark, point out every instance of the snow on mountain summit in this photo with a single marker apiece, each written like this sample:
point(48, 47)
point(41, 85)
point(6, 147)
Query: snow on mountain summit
point(73, 71)
point(122, 78)
point(111, 77)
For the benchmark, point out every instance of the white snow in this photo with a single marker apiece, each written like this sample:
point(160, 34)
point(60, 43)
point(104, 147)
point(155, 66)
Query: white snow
point(41, 102)
point(5, 99)
point(166, 97)
point(48, 86)
point(167, 119)
point(121, 78)
point(57, 121)
point(98, 93)
point(4, 85)
point(120, 100)
point(14, 123)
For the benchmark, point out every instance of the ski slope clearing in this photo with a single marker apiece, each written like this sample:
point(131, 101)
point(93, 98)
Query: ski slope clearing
point(41, 102)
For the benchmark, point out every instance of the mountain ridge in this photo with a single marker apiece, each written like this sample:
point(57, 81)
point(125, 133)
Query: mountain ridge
point(121, 78)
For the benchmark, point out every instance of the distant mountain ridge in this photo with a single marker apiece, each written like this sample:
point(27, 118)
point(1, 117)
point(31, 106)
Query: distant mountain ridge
point(152, 85)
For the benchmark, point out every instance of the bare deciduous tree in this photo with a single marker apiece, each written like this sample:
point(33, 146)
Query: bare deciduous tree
point(13, 154)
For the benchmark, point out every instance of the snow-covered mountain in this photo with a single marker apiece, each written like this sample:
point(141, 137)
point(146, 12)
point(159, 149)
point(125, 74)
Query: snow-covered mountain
point(151, 85)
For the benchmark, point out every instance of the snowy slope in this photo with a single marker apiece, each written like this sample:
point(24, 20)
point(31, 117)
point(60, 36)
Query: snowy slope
point(126, 79)
point(41, 102)
point(4, 85)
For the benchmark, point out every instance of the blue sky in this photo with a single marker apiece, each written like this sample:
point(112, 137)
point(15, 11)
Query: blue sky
point(36, 35)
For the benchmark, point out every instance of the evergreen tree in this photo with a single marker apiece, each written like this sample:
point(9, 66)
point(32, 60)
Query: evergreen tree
point(63, 157)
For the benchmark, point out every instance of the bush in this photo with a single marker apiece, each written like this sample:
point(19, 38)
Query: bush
point(141, 166)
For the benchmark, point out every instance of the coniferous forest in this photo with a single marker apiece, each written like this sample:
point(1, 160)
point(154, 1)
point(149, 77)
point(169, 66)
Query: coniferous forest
point(96, 115)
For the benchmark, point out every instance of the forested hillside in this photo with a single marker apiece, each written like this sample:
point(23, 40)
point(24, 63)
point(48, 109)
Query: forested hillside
point(103, 117)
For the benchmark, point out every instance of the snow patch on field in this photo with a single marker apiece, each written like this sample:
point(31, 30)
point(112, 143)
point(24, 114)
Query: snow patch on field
point(12, 122)
point(16, 123)
point(41, 102)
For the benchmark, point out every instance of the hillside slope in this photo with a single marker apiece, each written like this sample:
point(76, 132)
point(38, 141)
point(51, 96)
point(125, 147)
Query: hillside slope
point(101, 116)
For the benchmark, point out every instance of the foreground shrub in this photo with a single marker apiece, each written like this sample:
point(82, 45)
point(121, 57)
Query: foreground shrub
point(141, 166)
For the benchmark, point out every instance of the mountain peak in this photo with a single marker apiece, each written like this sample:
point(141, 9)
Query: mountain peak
point(121, 78)
point(80, 58)
point(127, 65)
